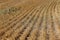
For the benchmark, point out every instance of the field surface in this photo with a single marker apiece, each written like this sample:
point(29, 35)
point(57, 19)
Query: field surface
point(29, 19)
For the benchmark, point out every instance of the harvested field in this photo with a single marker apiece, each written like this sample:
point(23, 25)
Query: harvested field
point(29, 19)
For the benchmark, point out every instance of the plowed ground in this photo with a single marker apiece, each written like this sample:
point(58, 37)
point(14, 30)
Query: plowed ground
point(29, 20)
